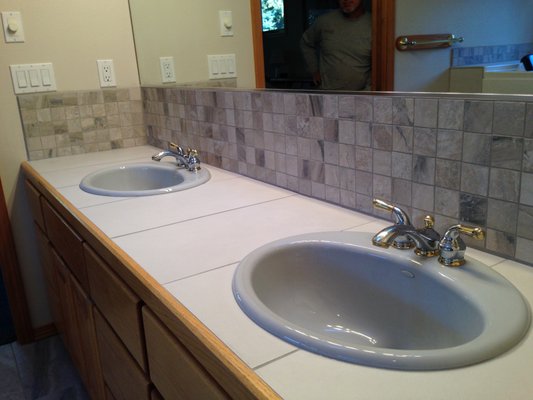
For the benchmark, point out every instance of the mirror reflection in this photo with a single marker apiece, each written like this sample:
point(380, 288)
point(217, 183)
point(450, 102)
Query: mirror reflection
point(497, 35)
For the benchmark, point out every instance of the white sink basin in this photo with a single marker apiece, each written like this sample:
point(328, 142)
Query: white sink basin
point(142, 179)
point(335, 294)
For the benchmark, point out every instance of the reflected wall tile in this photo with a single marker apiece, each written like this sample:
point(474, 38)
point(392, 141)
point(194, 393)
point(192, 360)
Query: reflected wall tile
point(527, 161)
point(501, 242)
point(401, 191)
point(449, 144)
point(447, 202)
point(423, 197)
point(402, 139)
point(504, 185)
point(382, 137)
point(478, 116)
point(426, 112)
point(476, 148)
point(526, 193)
point(506, 152)
point(474, 179)
point(509, 118)
point(383, 110)
point(448, 174)
point(425, 141)
point(525, 222)
point(473, 209)
point(451, 114)
point(364, 108)
point(403, 111)
point(502, 215)
point(402, 165)
point(529, 121)
point(524, 250)
point(424, 169)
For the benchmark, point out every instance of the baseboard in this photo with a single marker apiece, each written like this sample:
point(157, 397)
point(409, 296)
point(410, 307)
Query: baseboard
point(44, 331)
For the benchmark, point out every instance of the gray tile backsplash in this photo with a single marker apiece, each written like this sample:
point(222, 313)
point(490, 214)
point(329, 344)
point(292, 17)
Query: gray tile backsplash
point(462, 159)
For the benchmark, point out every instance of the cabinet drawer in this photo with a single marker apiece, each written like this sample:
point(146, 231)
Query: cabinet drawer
point(173, 370)
point(122, 375)
point(67, 243)
point(34, 200)
point(117, 303)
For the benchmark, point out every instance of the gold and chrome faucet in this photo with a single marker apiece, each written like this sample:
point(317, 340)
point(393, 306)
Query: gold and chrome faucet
point(187, 159)
point(426, 241)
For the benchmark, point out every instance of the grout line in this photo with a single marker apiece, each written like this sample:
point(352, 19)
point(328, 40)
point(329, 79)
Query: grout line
point(201, 273)
point(275, 359)
point(200, 217)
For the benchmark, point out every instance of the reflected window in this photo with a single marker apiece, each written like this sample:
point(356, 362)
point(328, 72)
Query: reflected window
point(273, 15)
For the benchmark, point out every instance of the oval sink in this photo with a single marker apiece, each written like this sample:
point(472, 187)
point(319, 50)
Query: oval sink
point(335, 294)
point(142, 179)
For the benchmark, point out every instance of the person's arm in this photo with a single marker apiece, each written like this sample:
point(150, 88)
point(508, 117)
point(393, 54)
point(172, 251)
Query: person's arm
point(309, 45)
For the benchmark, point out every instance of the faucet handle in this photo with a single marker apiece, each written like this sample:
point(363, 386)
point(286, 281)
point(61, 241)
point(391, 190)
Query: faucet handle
point(175, 148)
point(452, 247)
point(400, 215)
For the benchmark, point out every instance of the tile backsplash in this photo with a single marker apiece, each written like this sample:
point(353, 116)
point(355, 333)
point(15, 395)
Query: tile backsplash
point(461, 159)
point(65, 123)
point(462, 56)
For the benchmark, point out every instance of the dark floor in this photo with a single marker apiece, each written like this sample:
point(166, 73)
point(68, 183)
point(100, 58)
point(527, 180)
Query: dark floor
point(40, 370)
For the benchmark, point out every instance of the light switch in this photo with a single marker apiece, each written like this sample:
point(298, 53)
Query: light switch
point(21, 79)
point(35, 77)
point(226, 23)
point(13, 29)
point(222, 66)
point(31, 78)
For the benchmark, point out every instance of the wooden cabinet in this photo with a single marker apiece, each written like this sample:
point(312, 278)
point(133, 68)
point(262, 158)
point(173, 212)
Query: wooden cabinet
point(122, 375)
point(175, 373)
point(127, 337)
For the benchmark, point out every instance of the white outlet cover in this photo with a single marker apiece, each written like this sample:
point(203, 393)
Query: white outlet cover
point(168, 73)
point(106, 73)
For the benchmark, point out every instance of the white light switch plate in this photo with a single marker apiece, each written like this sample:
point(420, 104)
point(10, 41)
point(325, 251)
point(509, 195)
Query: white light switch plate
point(222, 66)
point(13, 29)
point(226, 23)
point(33, 78)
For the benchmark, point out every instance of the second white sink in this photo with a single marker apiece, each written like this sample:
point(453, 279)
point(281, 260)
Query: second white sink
point(142, 179)
point(337, 295)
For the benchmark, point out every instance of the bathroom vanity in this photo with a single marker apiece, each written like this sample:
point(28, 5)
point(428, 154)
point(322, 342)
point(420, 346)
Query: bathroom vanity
point(140, 289)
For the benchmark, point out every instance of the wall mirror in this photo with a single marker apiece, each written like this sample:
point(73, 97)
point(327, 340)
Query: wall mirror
point(494, 32)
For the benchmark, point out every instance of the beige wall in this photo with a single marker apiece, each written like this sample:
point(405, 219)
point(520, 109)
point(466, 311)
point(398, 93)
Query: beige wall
point(167, 30)
point(72, 34)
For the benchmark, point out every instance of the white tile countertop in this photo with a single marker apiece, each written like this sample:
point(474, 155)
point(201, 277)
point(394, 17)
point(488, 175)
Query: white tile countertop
point(192, 241)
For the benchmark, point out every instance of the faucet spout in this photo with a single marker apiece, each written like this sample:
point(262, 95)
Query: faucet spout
point(189, 160)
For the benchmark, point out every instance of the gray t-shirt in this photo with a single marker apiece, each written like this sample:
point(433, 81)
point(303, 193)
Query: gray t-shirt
point(340, 48)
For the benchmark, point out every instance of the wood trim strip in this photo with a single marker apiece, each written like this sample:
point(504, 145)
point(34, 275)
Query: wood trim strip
point(44, 331)
point(383, 44)
point(237, 379)
point(257, 38)
point(13, 282)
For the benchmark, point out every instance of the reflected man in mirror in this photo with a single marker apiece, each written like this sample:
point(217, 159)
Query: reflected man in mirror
point(337, 48)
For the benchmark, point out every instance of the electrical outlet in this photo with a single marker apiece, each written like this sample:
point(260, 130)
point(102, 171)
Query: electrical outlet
point(106, 72)
point(167, 69)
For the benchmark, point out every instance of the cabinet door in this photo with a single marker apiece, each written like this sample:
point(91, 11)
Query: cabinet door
point(117, 303)
point(174, 371)
point(122, 375)
point(91, 372)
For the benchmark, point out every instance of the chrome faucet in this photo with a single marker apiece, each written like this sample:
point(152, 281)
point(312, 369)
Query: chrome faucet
point(187, 159)
point(403, 235)
point(452, 247)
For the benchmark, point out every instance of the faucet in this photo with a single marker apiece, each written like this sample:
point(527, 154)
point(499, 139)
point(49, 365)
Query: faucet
point(452, 247)
point(187, 159)
point(403, 235)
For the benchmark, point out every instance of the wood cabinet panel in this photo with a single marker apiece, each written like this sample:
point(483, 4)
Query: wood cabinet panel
point(119, 305)
point(91, 373)
point(34, 200)
point(67, 243)
point(122, 374)
point(175, 373)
